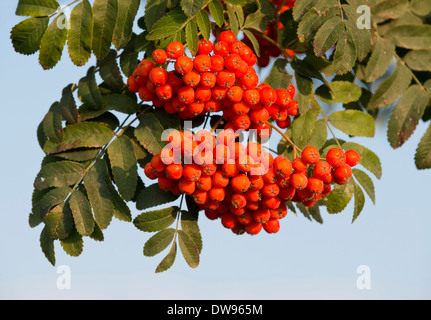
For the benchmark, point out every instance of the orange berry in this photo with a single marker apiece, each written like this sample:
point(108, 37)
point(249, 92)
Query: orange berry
point(310, 155)
point(336, 157)
point(175, 49)
point(298, 180)
point(216, 194)
point(187, 186)
point(183, 65)
point(240, 183)
point(202, 63)
point(352, 158)
point(174, 171)
point(271, 226)
point(159, 56)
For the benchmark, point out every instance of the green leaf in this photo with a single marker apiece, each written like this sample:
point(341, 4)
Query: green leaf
point(260, 19)
point(123, 163)
point(419, 60)
point(81, 212)
point(369, 160)
point(313, 20)
point(340, 197)
point(36, 217)
point(81, 135)
point(36, 8)
point(59, 222)
point(68, 108)
point(80, 35)
point(51, 124)
point(154, 9)
point(380, 59)
point(233, 20)
point(239, 13)
point(306, 69)
point(365, 181)
point(406, 115)
point(304, 93)
point(189, 224)
point(48, 200)
point(104, 18)
point(389, 9)
point(423, 151)
point(253, 40)
point(341, 92)
point(345, 54)
point(415, 37)
point(169, 25)
point(97, 184)
point(127, 11)
point(327, 35)
point(192, 37)
point(159, 242)
point(359, 201)
point(58, 174)
point(80, 155)
point(97, 234)
point(279, 77)
point(27, 35)
point(121, 210)
point(120, 102)
point(110, 71)
point(361, 37)
point(391, 88)
point(189, 249)
point(353, 122)
point(88, 90)
point(73, 245)
point(156, 220)
point(52, 44)
point(302, 7)
point(420, 7)
point(149, 133)
point(303, 127)
point(203, 21)
point(169, 260)
point(319, 135)
point(47, 246)
point(192, 7)
point(216, 11)
point(153, 196)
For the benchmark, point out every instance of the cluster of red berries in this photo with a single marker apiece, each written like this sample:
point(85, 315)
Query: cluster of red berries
point(220, 77)
point(244, 186)
point(268, 49)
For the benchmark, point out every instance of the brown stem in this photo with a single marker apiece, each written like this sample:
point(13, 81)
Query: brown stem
point(294, 146)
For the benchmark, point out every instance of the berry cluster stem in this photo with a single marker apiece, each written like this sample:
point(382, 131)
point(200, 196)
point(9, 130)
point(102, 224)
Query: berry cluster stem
point(330, 129)
point(294, 146)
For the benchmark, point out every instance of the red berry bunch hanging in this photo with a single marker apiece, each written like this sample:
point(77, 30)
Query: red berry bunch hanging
point(244, 186)
point(220, 77)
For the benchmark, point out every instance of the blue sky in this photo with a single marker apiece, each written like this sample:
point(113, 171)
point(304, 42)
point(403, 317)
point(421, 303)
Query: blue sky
point(305, 260)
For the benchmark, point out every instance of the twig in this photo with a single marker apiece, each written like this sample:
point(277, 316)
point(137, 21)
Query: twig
point(294, 146)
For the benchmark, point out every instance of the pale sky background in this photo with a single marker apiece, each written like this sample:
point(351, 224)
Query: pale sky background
point(305, 260)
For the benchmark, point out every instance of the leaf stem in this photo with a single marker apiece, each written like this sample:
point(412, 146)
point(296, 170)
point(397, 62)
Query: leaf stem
point(61, 9)
point(103, 149)
point(294, 146)
point(329, 127)
point(216, 124)
point(275, 43)
point(413, 75)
